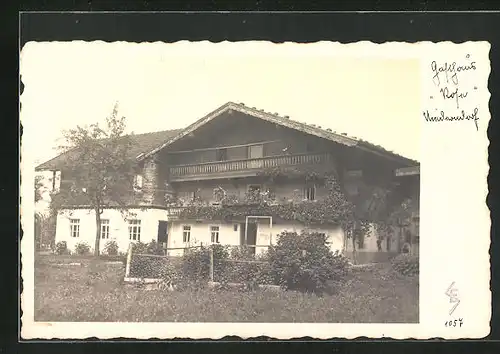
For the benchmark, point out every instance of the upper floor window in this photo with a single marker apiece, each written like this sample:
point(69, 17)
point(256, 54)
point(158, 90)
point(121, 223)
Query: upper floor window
point(134, 230)
point(186, 233)
point(138, 182)
point(255, 151)
point(310, 192)
point(214, 234)
point(74, 227)
point(104, 229)
point(254, 188)
point(221, 154)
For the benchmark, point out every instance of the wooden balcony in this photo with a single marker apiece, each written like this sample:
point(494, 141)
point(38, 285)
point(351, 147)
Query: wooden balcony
point(243, 168)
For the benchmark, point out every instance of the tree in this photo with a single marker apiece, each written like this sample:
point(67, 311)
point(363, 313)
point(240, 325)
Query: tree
point(38, 188)
point(101, 169)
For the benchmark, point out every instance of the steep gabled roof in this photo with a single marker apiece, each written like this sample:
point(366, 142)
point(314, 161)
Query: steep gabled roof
point(142, 144)
point(150, 143)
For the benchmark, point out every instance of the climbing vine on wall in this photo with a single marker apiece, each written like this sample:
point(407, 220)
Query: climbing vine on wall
point(354, 213)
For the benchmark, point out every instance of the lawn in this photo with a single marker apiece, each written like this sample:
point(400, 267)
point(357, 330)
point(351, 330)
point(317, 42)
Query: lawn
point(94, 291)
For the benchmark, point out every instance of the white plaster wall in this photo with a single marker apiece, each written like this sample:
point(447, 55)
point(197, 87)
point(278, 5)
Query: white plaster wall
point(200, 233)
point(118, 226)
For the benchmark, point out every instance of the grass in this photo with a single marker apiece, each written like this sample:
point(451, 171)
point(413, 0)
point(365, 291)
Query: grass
point(94, 291)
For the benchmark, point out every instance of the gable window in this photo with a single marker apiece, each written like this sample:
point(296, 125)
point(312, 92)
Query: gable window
point(74, 227)
point(186, 233)
point(221, 154)
point(214, 234)
point(310, 193)
point(134, 230)
point(104, 229)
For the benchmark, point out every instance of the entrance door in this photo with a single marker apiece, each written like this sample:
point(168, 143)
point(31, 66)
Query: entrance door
point(252, 235)
point(162, 232)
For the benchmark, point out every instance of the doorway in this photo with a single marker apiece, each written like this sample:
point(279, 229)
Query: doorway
point(255, 154)
point(251, 235)
point(163, 232)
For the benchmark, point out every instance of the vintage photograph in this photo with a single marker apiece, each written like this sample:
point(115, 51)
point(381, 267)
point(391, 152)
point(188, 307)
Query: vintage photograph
point(188, 183)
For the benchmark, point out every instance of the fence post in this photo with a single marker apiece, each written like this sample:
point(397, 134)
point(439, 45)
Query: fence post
point(211, 252)
point(129, 260)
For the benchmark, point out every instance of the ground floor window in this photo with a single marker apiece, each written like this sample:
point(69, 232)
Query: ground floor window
point(214, 234)
point(134, 230)
point(74, 227)
point(104, 229)
point(186, 233)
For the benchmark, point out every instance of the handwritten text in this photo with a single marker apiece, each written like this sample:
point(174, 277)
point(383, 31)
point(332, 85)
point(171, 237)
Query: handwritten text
point(443, 117)
point(447, 79)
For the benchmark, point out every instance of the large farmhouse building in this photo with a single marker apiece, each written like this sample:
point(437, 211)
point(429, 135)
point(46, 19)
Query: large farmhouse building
point(186, 177)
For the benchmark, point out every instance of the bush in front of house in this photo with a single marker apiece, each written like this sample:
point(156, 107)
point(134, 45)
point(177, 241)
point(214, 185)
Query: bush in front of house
point(111, 248)
point(62, 248)
point(406, 264)
point(154, 247)
point(82, 248)
point(139, 247)
point(305, 262)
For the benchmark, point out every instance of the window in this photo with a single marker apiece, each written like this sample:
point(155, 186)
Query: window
point(235, 227)
point(214, 234)
point(221, 154)
point(186, 233)
point(134, 230)
point(256, 151)
point(254, 188)
point(310, 193)
point(104, 229)
point(74, 227)
point(190, 196)
point(138, 180)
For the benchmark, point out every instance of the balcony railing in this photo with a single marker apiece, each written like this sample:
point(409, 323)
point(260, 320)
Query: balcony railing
point(251, 166)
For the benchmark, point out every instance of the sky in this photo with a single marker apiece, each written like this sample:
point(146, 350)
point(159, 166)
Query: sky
point(164, 86)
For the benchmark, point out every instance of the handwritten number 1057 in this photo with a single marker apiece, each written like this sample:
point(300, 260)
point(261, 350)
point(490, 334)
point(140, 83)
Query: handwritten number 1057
point(454, 323)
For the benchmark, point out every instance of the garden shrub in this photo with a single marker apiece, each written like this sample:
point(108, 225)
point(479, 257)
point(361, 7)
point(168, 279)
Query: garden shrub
point(405, 264)
point(139, 247)
point(154, 247)
point(82, 248)
point(111, 248)
point(62, 248)
point(305, 262)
